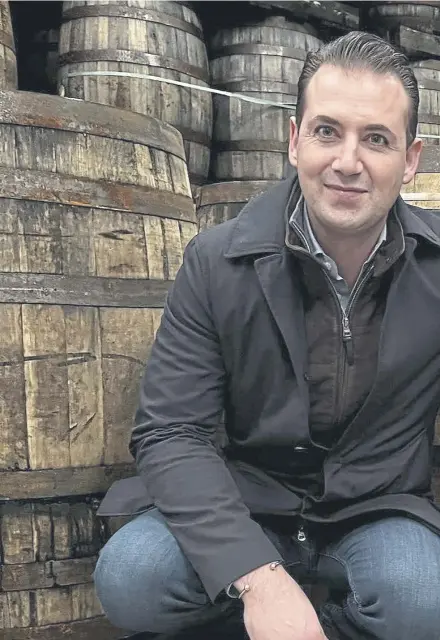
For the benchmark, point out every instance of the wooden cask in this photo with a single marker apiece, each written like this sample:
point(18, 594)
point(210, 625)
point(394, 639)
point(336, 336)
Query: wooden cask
point(8, 60)
point(424, 189)
point(427, 73)
point(421, 15)
point(261, 60)
point(162, 39)
point(222, 201)
point(95, 212)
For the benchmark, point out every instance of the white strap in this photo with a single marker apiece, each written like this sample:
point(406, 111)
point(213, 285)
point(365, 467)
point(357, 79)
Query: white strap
point(198, 87)
point(421, 196)
point(282, 105)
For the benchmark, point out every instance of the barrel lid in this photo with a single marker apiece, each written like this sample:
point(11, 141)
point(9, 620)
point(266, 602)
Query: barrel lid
point(52, 112)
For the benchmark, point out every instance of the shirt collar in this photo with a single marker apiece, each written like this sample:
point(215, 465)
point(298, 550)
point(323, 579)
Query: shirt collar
point(301, 217)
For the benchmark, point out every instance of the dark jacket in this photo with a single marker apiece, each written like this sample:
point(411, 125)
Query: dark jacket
point(232, 340)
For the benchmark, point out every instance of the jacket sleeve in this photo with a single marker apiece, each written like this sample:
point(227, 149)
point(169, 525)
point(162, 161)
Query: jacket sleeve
point(181, 402)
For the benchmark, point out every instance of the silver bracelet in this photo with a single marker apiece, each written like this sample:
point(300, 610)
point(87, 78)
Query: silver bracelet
point(247, 587)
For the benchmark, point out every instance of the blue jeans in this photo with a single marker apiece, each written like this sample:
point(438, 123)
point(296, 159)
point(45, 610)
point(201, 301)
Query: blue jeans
point(383, 577)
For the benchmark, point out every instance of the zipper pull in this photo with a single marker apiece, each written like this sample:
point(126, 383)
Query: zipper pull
point(347, 338)
point(301, 535)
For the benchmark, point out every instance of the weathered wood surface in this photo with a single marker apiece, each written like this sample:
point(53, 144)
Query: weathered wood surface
point(420, 15)
point(222, 201)
point(89, 629)
point(82, 289)
point(416, 44)
point(332, 14)
point(156, 38)
point(54, 483)
point(262, 61)
point(425, 186)
point(49, 552)
point(8, 60)
point(427, 73)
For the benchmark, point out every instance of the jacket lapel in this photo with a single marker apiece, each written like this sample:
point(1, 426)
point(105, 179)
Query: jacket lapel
point(277, 276)
point(259, 232)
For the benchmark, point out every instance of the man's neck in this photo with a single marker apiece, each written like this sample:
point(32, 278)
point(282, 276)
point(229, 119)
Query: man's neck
point(349, 252)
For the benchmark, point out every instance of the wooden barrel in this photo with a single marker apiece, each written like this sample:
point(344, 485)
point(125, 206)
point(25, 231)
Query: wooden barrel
point(8, 60)
point(424, 189)
point(162, 39)
point(427, 73)
point(262, 60)
point(222, 201)
point(95, 211)
point(421, 15)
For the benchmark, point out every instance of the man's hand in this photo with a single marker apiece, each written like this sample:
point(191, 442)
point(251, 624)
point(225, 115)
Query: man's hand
point(276, 608)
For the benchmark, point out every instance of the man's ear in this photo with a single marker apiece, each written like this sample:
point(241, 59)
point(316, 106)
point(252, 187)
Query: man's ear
point(293, 142)
point(412, 160)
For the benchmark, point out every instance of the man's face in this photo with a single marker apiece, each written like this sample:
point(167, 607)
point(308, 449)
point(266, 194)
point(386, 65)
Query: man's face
point(351, 150)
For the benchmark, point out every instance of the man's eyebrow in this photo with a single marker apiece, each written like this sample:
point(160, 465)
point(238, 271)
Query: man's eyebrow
point(380, 127)
point(327, 119)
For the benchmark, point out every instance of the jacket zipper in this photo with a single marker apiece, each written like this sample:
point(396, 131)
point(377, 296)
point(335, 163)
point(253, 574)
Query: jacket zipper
point(347, 336)
point(347, 341)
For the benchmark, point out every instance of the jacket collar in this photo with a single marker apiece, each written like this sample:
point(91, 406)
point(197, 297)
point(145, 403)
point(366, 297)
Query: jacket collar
point(260, 227)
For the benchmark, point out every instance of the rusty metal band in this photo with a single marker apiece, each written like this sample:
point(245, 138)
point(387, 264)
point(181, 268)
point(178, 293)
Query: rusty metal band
point(259, 49)
point(194, 136)
point(51, 112)
point(232, 192)
point(42, 186)
point(54, 483)
point(82, 291)
point(432, 85)
point(251, 145)
point(134, 57)
point(134, 13)
point(258, 86)
point(7, 40)
point(429, 118)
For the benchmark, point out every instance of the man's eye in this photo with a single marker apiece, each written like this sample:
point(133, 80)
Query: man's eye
point(378, 139)
point(324, 131)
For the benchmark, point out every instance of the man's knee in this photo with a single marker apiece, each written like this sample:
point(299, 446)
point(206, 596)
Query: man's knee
point(402, 594)
point(143, 580)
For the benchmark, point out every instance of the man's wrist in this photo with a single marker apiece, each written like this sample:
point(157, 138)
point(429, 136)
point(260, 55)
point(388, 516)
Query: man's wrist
point(245, 584)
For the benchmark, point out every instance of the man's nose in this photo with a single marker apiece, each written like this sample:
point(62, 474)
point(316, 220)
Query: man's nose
point(347, 159)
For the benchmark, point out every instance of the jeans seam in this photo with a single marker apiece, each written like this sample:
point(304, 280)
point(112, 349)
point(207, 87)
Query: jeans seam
point(351, 597)
point(349, 575)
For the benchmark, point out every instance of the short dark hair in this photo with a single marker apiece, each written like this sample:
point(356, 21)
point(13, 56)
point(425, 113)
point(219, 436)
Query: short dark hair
point(362, 51)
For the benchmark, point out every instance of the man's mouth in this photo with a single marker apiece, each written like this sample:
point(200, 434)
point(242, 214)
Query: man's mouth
point(337, 187)
point(343, 189)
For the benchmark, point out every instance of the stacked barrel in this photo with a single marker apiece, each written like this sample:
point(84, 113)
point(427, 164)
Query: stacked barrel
point(95, 213)
point(160, 104)
point(262, 61)
point(414, 27)
point(156, 51)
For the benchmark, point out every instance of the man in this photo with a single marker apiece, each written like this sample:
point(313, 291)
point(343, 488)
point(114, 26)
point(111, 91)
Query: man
point(312, 321)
